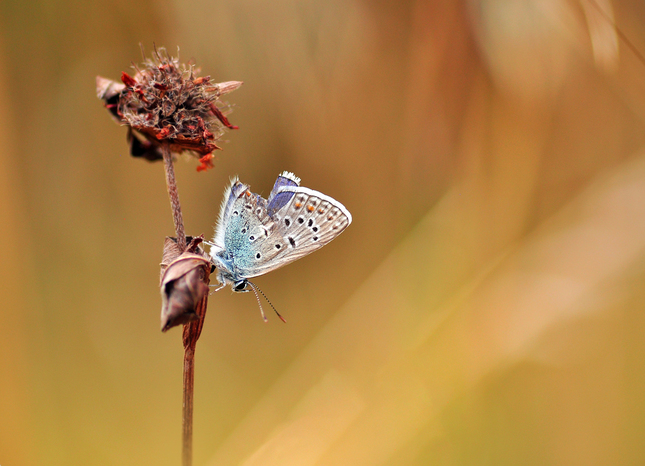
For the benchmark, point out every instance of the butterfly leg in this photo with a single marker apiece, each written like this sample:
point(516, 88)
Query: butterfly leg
point(221, 285)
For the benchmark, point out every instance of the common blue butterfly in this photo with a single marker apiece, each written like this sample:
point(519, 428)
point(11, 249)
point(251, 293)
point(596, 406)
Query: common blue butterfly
point(254, 235)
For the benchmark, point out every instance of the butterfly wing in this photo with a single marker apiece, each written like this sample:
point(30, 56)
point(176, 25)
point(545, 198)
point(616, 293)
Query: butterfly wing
point(262, 240)
point(231, 194)
point(247, 228)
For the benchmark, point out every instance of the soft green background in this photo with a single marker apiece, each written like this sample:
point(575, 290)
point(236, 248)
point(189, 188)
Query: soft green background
point(486, 307)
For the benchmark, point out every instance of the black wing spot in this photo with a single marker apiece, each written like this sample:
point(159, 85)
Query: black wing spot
point(287, 222)
point(251, 238)
point(310, 222)
point(258, 255)
point(278, 246)
point(301, 220)
point(292, 242)
point(315, 238)
point(248, 206)
point(315, 229)
point(243, 230)
point(235, 212)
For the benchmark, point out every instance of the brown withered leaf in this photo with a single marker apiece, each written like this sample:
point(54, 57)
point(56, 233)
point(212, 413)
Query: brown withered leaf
point(184, 283)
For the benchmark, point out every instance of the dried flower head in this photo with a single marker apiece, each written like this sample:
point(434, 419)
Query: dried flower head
point(166, 102)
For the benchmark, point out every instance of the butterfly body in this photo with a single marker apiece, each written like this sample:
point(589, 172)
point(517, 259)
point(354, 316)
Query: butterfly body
point(256, 235)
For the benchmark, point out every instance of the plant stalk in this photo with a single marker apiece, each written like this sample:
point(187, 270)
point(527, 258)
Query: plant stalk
point(171, 184)
point(187, 407)
point(191, 334)
point(192, 330)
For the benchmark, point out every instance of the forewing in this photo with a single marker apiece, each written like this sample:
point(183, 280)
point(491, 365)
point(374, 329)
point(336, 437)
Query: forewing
point(248, 230)
point(231, 194)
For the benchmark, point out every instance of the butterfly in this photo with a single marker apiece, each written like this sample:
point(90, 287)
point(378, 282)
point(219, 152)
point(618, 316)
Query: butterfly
point(254, 235)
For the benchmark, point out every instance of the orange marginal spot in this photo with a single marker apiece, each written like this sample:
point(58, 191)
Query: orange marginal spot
point(310, 208)
point(320, 210)
point(298, 205)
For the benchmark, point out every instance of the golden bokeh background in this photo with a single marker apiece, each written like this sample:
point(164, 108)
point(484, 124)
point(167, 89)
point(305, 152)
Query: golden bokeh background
point(486, 306)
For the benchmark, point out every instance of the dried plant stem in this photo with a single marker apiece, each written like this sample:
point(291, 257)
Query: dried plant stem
point(171, 184)
point(191, 330)
point(187, 408)
point(191, 333)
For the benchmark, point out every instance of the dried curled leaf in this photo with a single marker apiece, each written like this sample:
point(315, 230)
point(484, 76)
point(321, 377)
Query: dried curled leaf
point(184, 283)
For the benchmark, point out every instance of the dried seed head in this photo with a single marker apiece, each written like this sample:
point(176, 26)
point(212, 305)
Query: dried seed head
point(166, 102)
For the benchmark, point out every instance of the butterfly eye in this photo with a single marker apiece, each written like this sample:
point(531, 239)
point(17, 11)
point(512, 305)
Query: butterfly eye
point(239, 286)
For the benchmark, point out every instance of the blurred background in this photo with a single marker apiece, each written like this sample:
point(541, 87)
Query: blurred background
point(486, 306)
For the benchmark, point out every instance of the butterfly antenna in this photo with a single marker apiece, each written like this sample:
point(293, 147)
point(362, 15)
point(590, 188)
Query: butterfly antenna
point(264, 317)
point(255, 287)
